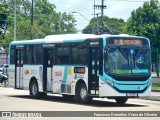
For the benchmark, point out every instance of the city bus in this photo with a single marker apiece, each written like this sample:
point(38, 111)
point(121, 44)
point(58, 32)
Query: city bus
point(82, 66)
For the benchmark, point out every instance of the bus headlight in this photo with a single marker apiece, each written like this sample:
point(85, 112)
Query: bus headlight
point(110, 82)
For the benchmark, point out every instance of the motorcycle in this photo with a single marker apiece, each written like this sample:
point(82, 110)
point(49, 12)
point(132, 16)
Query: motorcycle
point(3, 78)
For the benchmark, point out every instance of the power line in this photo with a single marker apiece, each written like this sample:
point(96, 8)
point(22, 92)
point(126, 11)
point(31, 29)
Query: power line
point(76, 6)
point(101, 7)
point(81, 15)
point(82, 8)
point(133, 0)
point(84, 14)
point(109, 3)
point(79, 5)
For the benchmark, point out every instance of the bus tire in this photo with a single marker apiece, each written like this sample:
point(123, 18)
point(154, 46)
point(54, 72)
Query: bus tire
point(82, 94)
point(34, 90)
point(121, 100)
point(2, 81)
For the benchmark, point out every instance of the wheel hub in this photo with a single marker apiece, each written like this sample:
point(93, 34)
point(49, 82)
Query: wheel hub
point(83, 93)
point(34, 89)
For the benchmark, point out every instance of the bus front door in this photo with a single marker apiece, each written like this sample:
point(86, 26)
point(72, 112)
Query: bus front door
point(19, 68)
point(48, 70)
point(94, 63)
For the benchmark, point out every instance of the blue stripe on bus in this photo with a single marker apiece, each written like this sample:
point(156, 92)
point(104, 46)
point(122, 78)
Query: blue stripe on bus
point(106, 77)
point(41, 41)
point(124, 93)
point(140, 71)
point(65, 75)
point(64, 81)
point(130, 87)
point(10, 70)
point(122, 85)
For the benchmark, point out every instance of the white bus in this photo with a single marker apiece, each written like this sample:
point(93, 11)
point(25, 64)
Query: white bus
point(82, 66)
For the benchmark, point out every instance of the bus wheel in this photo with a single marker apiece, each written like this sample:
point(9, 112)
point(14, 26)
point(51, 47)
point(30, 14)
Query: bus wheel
point(121, 100)
point(34, 91)
point(4, 81)
point(83, 94)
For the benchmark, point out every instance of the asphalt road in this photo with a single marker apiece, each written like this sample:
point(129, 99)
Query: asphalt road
point(19, 100)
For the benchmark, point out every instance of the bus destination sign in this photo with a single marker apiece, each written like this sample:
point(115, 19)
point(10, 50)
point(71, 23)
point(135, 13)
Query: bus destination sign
point(79, 70)
point(127, 42)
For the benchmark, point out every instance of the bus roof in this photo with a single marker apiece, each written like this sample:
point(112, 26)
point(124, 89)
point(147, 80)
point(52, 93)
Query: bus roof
point(21, 42)
point(69, 37)
point(58, 39)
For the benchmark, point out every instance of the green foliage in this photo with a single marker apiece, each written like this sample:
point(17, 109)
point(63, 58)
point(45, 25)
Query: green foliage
point(145, 21)
point(111, 25)
point(3, 16)
point(46, 21)
point(155, 86)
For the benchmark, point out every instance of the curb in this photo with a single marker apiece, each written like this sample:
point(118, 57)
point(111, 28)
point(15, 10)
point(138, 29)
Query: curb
point(3, 86)
point(154, 98)
point(155, 90)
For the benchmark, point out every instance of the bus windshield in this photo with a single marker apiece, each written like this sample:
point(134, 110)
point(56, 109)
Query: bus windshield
point(127, 59)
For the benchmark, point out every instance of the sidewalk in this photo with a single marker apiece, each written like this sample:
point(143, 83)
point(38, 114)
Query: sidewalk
point(156, 80)
point(154, 96)
point(154, 74)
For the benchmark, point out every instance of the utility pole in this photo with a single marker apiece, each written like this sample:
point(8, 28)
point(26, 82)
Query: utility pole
point(94, 26)
point(157, 62)
point(15, 37)
point(32, 21)
point(97, 32)
point(102, 7)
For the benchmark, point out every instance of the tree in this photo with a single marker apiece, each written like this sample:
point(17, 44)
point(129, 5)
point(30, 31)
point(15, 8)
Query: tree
point(52, 22)
point(3, 16)
point(111, 25)
point(46, 20)
point(65, 23)
point(145, 21)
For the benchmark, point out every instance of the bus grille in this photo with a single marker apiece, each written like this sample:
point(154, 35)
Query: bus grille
point(65, 88)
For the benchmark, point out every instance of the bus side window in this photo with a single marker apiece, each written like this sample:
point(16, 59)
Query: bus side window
point(28, 54)
point(78, 54)
point(18, 58)
point(12, 55)
point(74, 55)
point(37, 54)
point(62, 55)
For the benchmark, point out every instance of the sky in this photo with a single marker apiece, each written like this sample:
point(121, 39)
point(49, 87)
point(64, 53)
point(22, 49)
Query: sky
point(83, 9)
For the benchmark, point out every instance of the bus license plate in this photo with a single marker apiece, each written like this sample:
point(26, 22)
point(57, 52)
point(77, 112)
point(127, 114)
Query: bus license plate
point(131, 94)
